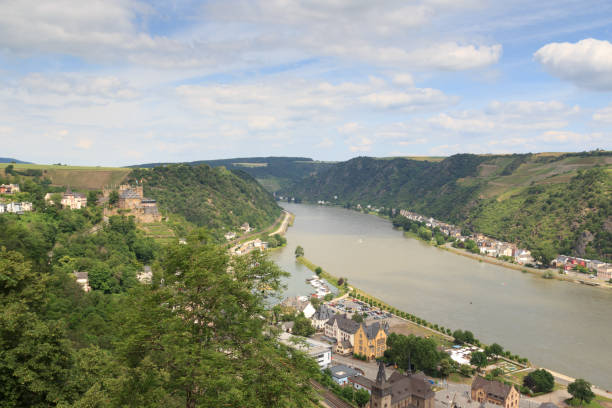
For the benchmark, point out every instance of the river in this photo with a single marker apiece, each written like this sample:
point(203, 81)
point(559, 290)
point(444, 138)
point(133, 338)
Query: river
point(559, 325)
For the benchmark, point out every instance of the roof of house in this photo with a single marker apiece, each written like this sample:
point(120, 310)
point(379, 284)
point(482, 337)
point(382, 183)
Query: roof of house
point(345, 324)
point(495, 389)
point(324, 313)
point(342, 371)
point(373, 329)
point(363, 381)
point(296, 303)
point(414, 384)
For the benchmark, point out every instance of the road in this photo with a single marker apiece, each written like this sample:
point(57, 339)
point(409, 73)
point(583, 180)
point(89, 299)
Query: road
point(283, 227)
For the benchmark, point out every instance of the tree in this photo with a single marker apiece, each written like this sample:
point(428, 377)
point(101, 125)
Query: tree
point(92, 198)
point(361, 397)
point(413, 352)
point(445, 368)
point(465, 370)
point(201, 334)
point(544, 253)
point(302, 326)
point(318, 270)
point(494, 350)
point(113, 197)
point(479, 359)
point(539, 381)
point(347, 393)
point(9, 169)
point(299, 251)
point(358, 317)
point(581, 391)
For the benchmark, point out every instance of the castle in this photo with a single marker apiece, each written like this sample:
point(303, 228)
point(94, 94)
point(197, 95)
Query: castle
point(132, 199)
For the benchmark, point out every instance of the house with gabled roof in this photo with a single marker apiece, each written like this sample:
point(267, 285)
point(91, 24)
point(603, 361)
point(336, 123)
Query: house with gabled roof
point(494, 392)
point(366, 340)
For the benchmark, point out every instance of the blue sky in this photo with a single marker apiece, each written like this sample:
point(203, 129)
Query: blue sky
point(115, 82)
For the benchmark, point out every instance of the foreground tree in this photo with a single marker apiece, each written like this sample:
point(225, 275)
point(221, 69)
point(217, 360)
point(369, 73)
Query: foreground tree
point(581, 391)
point(201, 332)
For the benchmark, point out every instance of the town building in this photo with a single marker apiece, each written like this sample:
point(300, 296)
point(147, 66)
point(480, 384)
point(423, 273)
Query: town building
point(15, 208)
point(132, 198)
point(401, 391)
point(300, 304)
point(357, 338)
point(82, 278)
point(70, 199)
point(361, 383)
point(341, 374)
point(9, 188)
point(246, 227)
point(321, 317)
point(146, 276)
point(319, 351)
point(494, 392)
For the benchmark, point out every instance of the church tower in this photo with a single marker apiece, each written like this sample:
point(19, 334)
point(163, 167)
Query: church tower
point(381, 390)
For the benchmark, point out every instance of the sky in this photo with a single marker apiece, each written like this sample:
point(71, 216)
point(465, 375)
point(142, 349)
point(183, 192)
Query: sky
point(118, 82)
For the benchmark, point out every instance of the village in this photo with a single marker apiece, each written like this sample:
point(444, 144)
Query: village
point(494, 248)
point(13, 207)
point(352, 350)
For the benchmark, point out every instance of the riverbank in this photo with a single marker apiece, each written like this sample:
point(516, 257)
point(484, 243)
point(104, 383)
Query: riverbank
point(332, 280)
point(442, 337)
point(544, 273)
point(552, 273)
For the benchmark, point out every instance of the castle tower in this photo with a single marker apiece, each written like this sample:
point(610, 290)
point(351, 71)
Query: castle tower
point(381, 390)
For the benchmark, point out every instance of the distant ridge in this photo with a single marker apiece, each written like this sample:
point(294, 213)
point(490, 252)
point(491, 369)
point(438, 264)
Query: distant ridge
point(9, 160)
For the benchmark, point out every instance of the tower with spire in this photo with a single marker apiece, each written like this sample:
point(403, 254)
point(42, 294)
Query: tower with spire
point(381, 389)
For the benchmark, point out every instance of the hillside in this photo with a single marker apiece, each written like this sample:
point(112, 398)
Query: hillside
point(215, 198)
point(10, 160)
point(271, 172)
point(544, 201)
point(77, 177)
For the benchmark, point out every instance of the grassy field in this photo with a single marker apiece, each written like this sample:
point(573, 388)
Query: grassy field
point(77, 177)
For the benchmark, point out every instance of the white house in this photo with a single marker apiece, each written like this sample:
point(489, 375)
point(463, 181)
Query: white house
point(300, 305)
point(321, 317)
point(82, 278)
point(320, 351)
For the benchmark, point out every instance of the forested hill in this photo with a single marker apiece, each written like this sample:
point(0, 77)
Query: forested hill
point(216, 198)
point(272, 172)
point(540, 200)
point(10, 160)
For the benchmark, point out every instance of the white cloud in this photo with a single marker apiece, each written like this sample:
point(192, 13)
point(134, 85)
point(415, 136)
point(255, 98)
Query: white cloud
point(68, 88)
point(326, 143)
point(603, 115)
point(587, 63)
point(360, 144)
point(84, 143)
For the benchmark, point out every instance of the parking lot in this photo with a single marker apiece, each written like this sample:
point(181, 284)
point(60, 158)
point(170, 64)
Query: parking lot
point(352, 306)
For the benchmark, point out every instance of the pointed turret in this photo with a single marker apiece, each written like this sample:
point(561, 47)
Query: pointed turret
point(380, 396)
point(381, 377)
